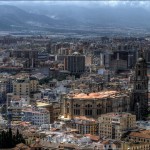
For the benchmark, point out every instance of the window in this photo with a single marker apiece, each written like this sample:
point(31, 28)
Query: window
point(138, 86)
point(76, 112)
point(89, 106)
point(139, 73)
point(99, 105)
point(76, 105)
point(98, 111)
point(88, 112)
point(67, 108)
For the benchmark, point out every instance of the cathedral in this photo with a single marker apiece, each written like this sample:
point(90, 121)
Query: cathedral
point(98, 101)
point(139, 99)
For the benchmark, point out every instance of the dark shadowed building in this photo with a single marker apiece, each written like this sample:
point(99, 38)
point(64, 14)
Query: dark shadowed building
point(139, 101)
point(75, 63)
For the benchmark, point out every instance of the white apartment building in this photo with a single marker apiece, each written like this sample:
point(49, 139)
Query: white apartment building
point(14, 107)
point(37, 116)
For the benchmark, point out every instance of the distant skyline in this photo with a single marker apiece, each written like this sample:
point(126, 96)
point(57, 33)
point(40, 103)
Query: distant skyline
point(119, 16)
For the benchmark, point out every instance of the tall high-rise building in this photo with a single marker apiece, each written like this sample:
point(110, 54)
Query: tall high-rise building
point(139, 101)
point(31, 57)
point(122, 60)
point(75, 63)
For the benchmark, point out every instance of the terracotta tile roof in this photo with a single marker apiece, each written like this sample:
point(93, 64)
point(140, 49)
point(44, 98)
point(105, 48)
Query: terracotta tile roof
point(26, 124)
point(141, 134)
point(93, 137)
point(84, 118)
point(21, 146)
point(98, 95)
point(37, 144)
point(105, 142)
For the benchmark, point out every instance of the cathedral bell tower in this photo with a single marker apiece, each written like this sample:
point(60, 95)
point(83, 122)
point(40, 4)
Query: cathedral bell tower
point(139, 100)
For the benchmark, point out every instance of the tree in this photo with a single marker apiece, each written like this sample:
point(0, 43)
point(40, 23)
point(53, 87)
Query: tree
point(9, 140)
point(44, 80)
point(17, 137)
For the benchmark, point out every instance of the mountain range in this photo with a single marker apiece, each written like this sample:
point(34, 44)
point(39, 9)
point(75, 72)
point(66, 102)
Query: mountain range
point(72, 17)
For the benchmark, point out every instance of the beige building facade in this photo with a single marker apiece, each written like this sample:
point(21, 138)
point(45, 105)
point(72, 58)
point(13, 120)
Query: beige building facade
point(135, 146)
point(114, 125)
point(85, 125)
point(140, 136)
point(25, 86)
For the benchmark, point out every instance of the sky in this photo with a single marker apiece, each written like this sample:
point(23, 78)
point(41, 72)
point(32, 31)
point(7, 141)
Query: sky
point(115, 3)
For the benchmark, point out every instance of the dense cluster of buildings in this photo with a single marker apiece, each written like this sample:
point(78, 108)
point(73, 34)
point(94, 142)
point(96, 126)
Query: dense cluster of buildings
point(76, 93)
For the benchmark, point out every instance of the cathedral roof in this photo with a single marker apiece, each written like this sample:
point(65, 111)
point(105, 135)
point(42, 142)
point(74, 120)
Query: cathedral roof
point(96, 95)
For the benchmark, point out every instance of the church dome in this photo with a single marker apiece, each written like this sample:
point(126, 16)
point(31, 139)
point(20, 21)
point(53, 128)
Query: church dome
point(141, 59)
point(76, 53)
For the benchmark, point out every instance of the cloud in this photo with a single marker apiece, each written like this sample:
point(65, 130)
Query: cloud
point(89, 3)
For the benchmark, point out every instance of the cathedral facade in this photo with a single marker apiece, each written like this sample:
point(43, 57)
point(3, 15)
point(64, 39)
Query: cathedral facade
point(92, 105)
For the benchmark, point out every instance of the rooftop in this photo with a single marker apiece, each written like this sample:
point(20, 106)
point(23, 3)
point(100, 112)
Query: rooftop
point(41, 104)
point(117, 115)
point(84, 118)
point(97, 95)
point(141, 134)
point(93, 137)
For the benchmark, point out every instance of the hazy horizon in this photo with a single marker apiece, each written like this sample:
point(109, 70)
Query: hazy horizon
point(118, 3)
point(120, 16)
